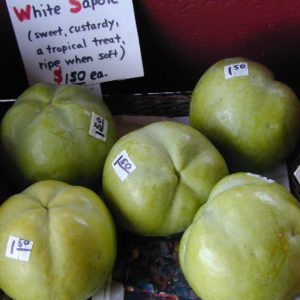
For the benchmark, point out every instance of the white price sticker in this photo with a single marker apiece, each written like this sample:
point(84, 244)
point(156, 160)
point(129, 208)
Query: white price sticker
point(260, 177)
point(235, 70)
point(18, 248)
point(297, 174)
point(123, 165)
point(98, 127)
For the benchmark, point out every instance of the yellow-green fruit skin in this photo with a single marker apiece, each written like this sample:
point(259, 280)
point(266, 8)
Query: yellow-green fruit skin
point(253, 119)
point(74, 242)
point(176, 168)
point(244, 243)
point(45, 134)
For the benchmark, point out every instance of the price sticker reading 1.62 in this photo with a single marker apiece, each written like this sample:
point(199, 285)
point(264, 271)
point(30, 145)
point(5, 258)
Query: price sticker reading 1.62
point(98, 127)
point(80, 77)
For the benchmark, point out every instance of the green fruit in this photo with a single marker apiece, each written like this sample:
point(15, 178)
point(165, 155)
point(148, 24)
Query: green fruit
point(73, 240)
point(252, 119)
point(46, 135)
point(244, 243)
point(156, 177)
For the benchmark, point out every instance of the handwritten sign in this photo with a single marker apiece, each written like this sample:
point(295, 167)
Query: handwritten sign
point(77, 41)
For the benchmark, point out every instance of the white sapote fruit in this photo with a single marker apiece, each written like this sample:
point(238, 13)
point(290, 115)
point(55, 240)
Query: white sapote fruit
point(252, 119)
point(155, 178)
point(57, 241)
point(244, 243)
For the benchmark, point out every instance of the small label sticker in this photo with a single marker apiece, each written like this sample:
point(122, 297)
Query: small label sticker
point(123, 165)
point(297, 174)
point(235, 70)
point(18, 248)
point(98, 127)
point(260, 177)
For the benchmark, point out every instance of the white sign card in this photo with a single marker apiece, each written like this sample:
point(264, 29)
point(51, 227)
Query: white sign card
point(77, 41)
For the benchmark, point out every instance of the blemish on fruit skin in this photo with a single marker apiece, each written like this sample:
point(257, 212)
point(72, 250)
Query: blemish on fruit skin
point(293, 232)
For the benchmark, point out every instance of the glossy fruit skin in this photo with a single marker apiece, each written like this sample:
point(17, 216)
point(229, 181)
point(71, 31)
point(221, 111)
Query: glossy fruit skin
point(244, 243)
point(74, 242)
point(176, 167)
point(45, 135)
point(253, 120)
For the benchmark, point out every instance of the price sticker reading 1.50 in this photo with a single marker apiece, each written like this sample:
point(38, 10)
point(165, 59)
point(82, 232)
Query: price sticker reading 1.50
point(235, 70)
point(18, 248)
point(123, 165)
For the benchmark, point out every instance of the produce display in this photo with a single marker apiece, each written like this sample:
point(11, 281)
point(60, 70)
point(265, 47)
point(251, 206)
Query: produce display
point(201, 220)
point(244, 242)
point(252, 119)
point(156, 178)
point(57, 132)
point(57, 241)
